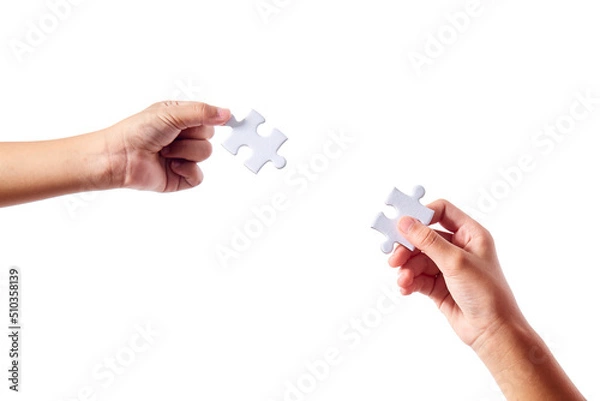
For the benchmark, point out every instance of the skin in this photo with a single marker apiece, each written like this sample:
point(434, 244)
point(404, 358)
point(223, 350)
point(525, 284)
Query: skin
point(459, 270)
point(158, 150)
point(155, 150)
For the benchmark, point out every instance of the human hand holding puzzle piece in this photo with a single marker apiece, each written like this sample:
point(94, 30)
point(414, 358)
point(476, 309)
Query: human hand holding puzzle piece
point(264, 148)
point(405, 206)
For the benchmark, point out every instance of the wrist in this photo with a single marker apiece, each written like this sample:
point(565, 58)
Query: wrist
point(504, 338)
point(114, 159)
point(99, 166)
point(523, 366)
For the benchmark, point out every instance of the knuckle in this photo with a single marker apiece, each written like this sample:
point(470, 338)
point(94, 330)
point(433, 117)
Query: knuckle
point(207, 150)
point(488, 245)
point(198, 179)
point(460, 260)
point(440, 204)
point(156, 105)
point(194, 182)
point(443, 201)
point(428, 238)
point(166, 104)
point(210, 132)
point(483, 236)
point(201, 109)
point(486, 236)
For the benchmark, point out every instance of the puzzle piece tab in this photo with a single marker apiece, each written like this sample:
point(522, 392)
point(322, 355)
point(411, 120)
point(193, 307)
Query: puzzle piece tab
point(406, 206)
point(264, 148)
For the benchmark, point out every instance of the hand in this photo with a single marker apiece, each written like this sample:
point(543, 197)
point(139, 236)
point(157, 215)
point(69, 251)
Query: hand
point(459, 271)
point(159, 148)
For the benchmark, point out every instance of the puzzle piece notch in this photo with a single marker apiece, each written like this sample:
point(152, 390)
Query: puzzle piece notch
point(405, 206)
point(264, 149)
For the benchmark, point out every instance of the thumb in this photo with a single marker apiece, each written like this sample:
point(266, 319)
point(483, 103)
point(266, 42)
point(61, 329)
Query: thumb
point(442, 252)
point(183, 115)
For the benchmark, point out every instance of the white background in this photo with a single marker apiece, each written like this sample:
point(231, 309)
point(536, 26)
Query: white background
point(94, 268)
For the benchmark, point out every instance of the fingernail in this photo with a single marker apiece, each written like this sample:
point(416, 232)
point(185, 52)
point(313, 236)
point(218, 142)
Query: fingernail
point(406, 223)
point(222, 113)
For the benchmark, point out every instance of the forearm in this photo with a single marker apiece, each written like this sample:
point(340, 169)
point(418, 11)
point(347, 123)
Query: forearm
point(524, 367)
point(31, 171)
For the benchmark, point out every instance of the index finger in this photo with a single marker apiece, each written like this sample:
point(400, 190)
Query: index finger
point(401, 254)
point(449, 216)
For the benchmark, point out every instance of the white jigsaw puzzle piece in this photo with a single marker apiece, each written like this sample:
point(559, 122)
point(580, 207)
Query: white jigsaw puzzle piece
point(264, 149)
point(405, 206)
